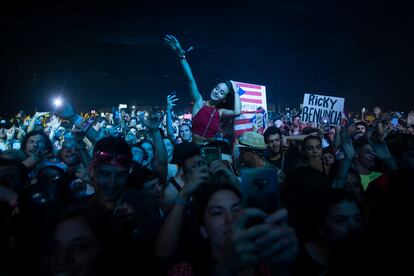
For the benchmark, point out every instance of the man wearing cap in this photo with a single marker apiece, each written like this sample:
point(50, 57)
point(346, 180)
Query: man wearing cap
point(251, 147)
point(136, 212)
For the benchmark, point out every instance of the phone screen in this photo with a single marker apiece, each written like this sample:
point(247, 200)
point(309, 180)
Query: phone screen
point(394, 121)
point(260, 189)
point(210, 154)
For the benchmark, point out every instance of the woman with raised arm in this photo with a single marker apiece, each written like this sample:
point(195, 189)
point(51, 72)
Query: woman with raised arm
point(224, 100)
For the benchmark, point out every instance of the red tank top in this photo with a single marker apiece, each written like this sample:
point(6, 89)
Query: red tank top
point(206, 123)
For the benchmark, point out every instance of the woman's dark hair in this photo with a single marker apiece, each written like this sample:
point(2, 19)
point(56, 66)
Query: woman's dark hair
point(228, 102)
point(204, 193)
point(101, 225)
point(331, 198)
point(48, 144)
point(200, 252)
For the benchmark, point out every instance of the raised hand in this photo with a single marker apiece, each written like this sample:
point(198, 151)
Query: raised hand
point(280, 245)
point(10, 133)
point(173, 43)
point(171, 102)
point(240, 249)
point(54, 122)
point(410, 118)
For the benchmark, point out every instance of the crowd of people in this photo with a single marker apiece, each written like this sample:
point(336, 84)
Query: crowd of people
point(133, 191)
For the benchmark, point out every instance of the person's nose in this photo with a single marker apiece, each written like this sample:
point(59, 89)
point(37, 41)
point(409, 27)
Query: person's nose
point(229, 217)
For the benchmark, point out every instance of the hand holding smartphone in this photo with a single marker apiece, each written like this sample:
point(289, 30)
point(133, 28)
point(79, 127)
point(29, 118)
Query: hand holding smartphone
point(210, 154)
point(260, 189)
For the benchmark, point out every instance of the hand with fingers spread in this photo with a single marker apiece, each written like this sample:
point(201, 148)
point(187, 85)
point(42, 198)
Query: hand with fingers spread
point(279, 246)
point(410, 118)
point(240, 250)
point(171, 102)
point(193, 178)
point(273, 242)
point(173, 43)
point(54, 122)
point(10, 133)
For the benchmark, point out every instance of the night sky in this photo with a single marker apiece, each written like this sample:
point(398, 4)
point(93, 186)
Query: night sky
point(110, 53)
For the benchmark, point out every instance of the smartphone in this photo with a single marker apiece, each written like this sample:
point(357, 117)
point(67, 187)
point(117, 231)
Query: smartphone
point(210, 154)
point(394, 121)
point(123, 106)
point(260, 189)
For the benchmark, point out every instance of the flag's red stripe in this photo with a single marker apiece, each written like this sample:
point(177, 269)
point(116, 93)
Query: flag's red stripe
point(249, 93)
point(251, 101)
point(242, 121)
point(248, 85)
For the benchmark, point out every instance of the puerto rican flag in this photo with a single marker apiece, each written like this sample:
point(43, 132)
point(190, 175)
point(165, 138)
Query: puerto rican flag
point(253, 106)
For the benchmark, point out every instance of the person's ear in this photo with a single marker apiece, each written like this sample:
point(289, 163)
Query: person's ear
point(203, 232)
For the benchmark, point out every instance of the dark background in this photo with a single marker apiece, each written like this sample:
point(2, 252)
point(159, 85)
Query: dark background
point(104, 54)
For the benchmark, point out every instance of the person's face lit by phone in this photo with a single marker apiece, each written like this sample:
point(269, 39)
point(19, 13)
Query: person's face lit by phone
point(222, 210)
point(185, 133)
point(273, 143)
point(313, 149)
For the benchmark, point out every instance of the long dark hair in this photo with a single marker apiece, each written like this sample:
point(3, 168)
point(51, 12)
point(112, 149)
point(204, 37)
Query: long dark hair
point(203, 260)
point(228, 102)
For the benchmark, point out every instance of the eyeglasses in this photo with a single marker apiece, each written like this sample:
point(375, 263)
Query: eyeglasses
point(116, 159)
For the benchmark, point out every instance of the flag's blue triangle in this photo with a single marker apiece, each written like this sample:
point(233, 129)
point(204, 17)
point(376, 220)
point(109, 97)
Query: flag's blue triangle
point(241, 91)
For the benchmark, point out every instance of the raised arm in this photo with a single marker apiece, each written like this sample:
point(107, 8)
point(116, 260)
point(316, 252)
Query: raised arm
point(152, 123)
point(173, 43)
point(34, 119)
point(171, 102)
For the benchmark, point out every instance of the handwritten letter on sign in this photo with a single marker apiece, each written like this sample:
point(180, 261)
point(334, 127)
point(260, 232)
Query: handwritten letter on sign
point(317, 108)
